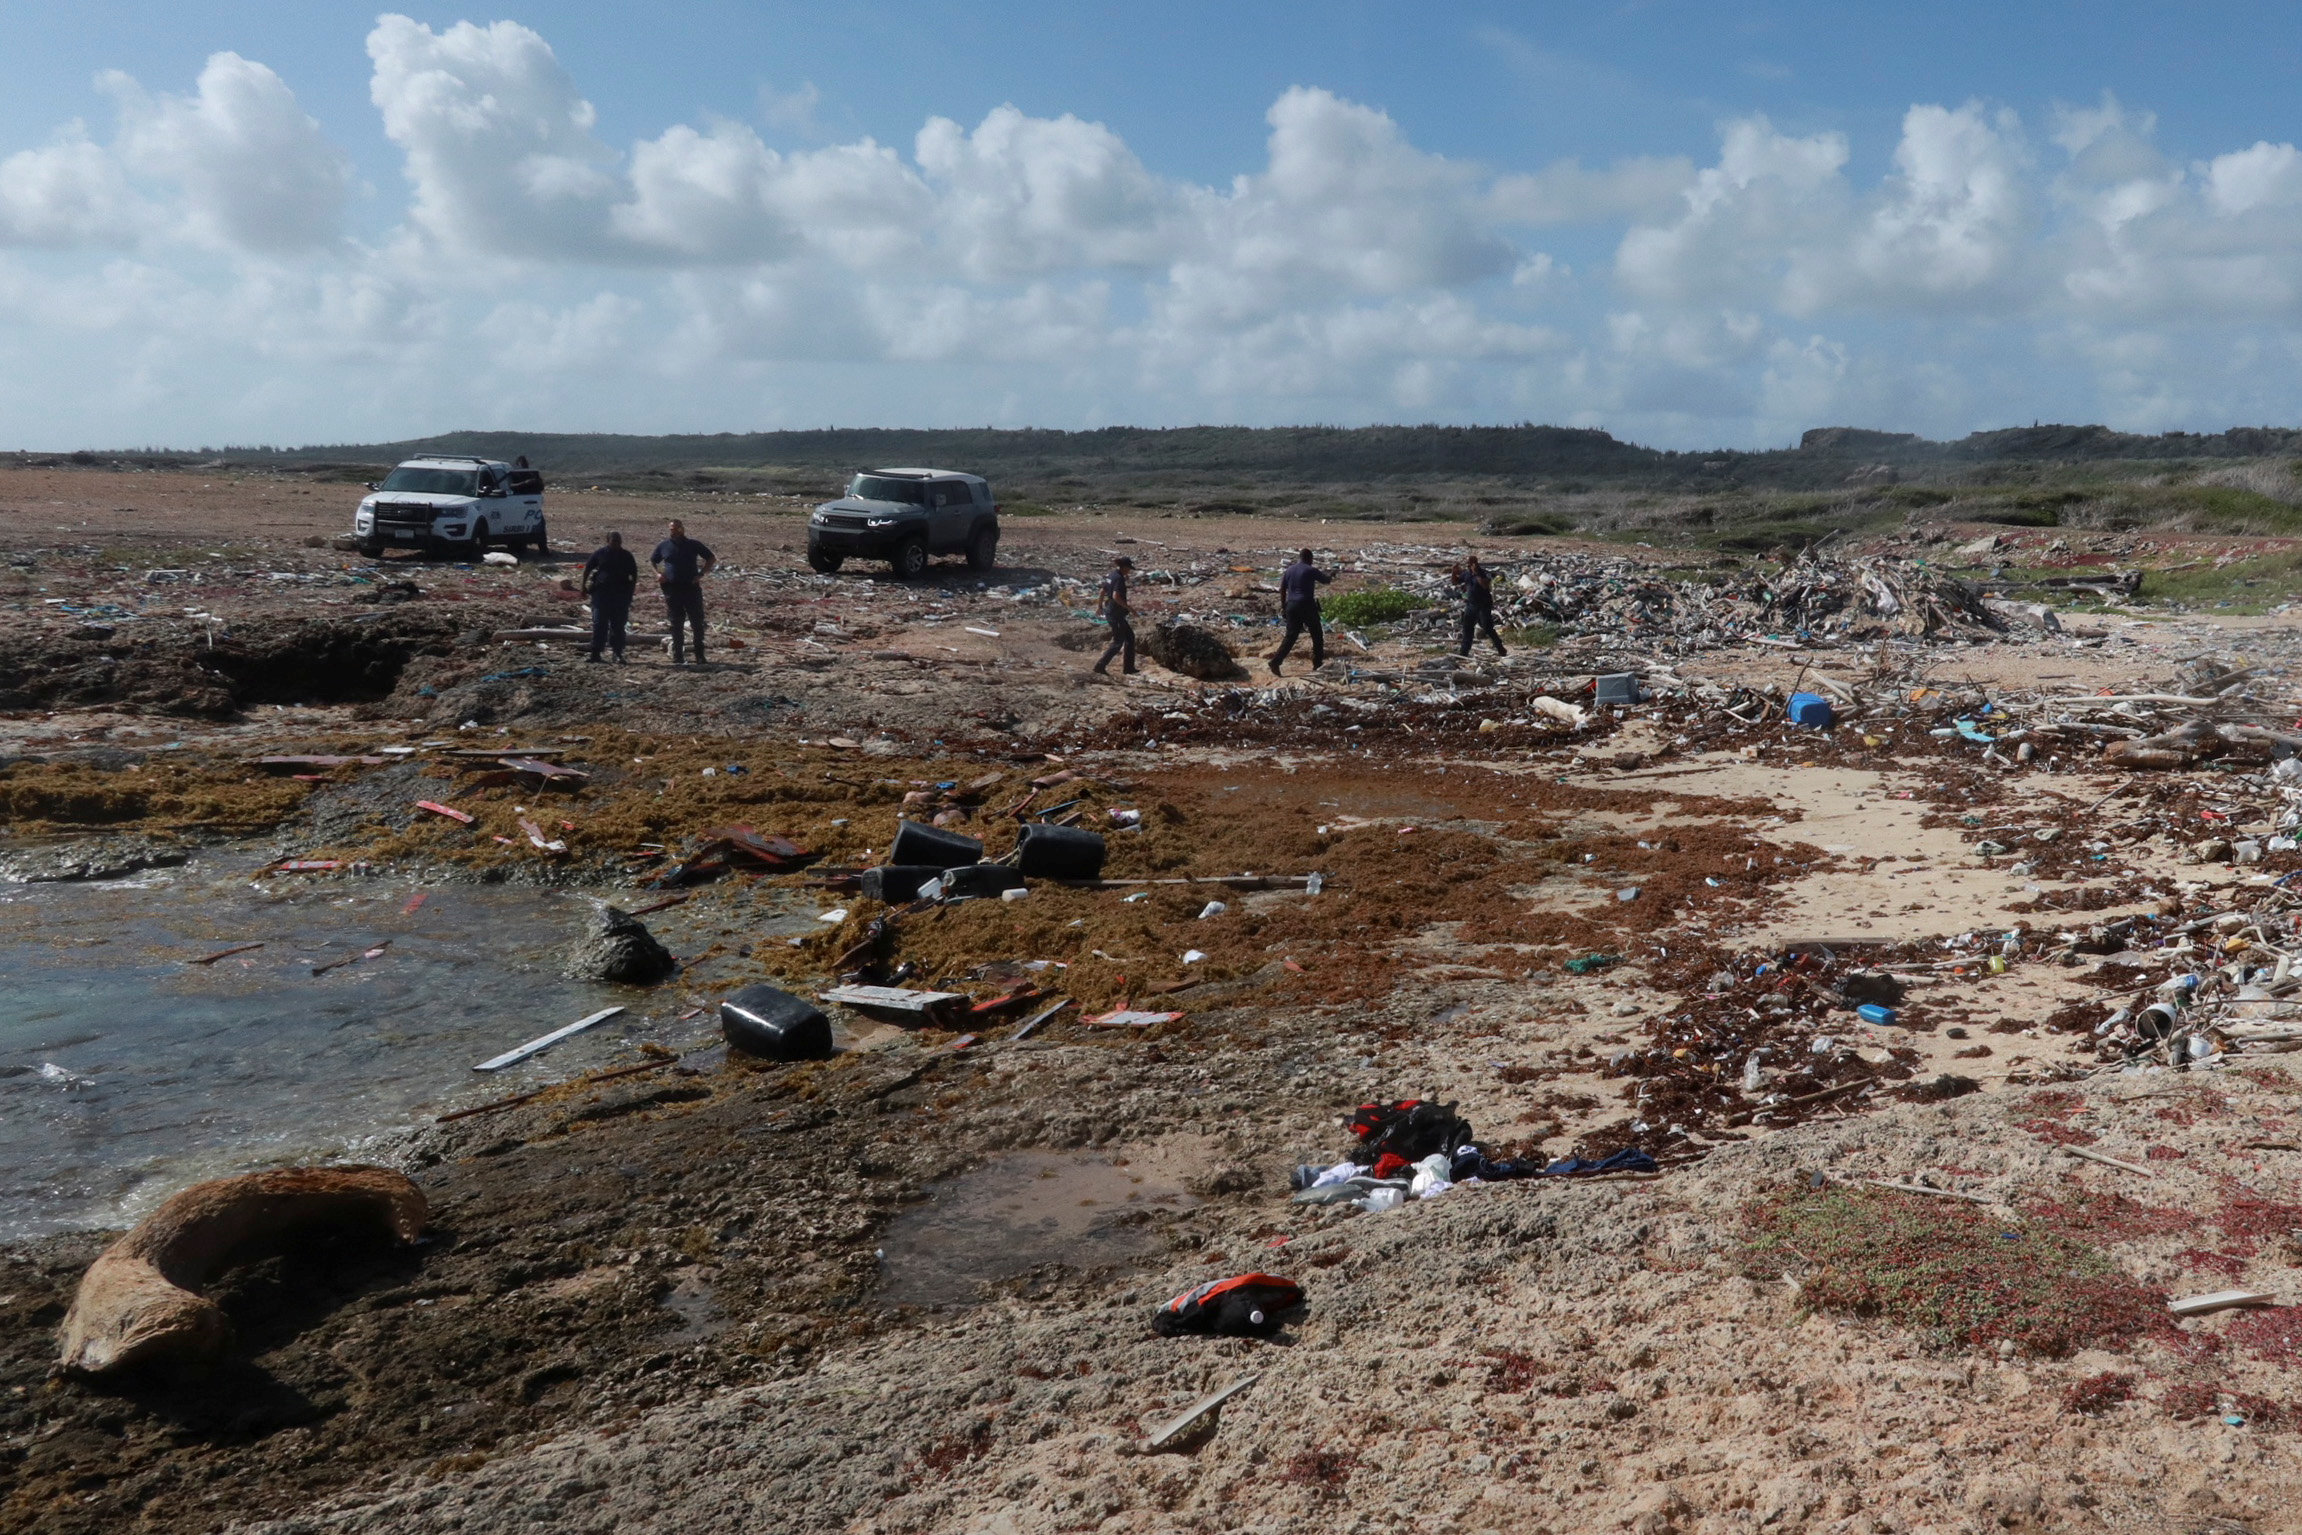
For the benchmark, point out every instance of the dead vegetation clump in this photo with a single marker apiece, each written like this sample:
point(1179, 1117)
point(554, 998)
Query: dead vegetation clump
point(1955, 1274)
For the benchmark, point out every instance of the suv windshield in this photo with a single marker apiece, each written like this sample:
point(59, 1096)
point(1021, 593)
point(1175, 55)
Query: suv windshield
point(872, 487)
point(433, 482)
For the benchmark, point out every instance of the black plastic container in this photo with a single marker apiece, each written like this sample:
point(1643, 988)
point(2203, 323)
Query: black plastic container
point(978, 880)
point(1059, 852)
point(932, 846)
point(892, 882)
point(768, 1021)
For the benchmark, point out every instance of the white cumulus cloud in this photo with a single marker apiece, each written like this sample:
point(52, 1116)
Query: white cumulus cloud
point(254, 169)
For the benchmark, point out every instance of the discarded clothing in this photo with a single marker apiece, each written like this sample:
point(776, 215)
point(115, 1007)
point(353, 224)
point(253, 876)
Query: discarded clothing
point(1628, 1160)
point(1245, 1305)
point(1433, 1176)
point(1410, 1128)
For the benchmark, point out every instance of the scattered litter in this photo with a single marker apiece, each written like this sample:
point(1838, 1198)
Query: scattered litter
point(1207, 1409)
point(1243, 1306)
point(209, 959)
point(1127, 1018)
point(436, 808)
point(353, 959)
point(2219, 1300)
point(544, 1042)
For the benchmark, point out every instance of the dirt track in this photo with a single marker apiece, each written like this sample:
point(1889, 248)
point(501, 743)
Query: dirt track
point(651, 1302)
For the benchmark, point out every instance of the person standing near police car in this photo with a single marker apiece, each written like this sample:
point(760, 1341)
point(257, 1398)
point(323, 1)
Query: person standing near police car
point(1299, 587)
point(610, 577)
point(1116, 610)
point(680, 564)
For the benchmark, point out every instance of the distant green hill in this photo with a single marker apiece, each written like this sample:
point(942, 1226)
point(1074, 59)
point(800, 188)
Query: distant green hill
point(1572, 458)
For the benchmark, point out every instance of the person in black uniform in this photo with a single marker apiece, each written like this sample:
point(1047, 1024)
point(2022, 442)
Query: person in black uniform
point(1116, 608)
point(1299, 587)
point(1478, 589)
point(680, 564)
point(610, 577)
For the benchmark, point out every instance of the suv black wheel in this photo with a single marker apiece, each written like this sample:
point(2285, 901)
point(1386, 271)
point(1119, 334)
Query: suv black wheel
point(910, 560)
point(480, 537)
point(824, 563)
point(983, 548)
point(539, 540)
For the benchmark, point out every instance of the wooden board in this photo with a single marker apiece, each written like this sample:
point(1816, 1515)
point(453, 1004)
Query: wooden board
point(544, 1042)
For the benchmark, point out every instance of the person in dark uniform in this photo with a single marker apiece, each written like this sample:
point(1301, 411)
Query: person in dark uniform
point(680, 564)
point(1299, 587)
point(610, 577)
point(1115, 609)
point(1478, 589)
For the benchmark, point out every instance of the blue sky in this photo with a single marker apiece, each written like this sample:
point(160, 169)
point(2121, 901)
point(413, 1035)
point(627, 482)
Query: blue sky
point(1692, 225)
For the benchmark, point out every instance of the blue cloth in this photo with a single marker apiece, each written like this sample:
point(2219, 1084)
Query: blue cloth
point(1628, 1160)
point(681, 560)
point(1470, 1162)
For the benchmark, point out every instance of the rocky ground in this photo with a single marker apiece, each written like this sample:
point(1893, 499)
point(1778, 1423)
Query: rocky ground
point(678, 1297)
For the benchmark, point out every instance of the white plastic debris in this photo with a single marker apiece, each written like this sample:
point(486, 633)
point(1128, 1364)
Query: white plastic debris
point(1212, 909)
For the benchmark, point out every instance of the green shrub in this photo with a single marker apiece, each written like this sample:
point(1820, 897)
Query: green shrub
point(1372, 605)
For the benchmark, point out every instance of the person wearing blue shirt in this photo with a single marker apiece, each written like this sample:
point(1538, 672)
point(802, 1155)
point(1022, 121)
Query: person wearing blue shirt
point(1299, 587)
point(680, 564)
point(1116, 610)
point(610, 577)
point(1477, 585)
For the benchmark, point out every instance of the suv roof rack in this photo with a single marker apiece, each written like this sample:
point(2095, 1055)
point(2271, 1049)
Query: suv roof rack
point(448, 458)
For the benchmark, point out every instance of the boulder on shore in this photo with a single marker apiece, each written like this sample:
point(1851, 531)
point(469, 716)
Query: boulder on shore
point(618, 947)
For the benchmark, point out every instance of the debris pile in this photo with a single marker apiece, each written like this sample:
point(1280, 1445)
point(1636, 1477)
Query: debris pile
point(1192, 651)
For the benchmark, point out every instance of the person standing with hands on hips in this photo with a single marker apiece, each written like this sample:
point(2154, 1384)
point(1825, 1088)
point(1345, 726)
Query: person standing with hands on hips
point(1478, 588)
point(680, 564)
point(1116, 608)
point(610, 577)
point(1299, 587)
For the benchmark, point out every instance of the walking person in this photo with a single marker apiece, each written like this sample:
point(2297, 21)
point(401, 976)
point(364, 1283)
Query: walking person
point(680, 564)
point(1478, 588)
point(1116, 609)
point(610, 577)
point(1299, 587)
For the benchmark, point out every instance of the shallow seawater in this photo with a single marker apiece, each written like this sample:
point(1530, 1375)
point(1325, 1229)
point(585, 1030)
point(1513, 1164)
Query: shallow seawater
point(1083, 1210)
point(126, 1072)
